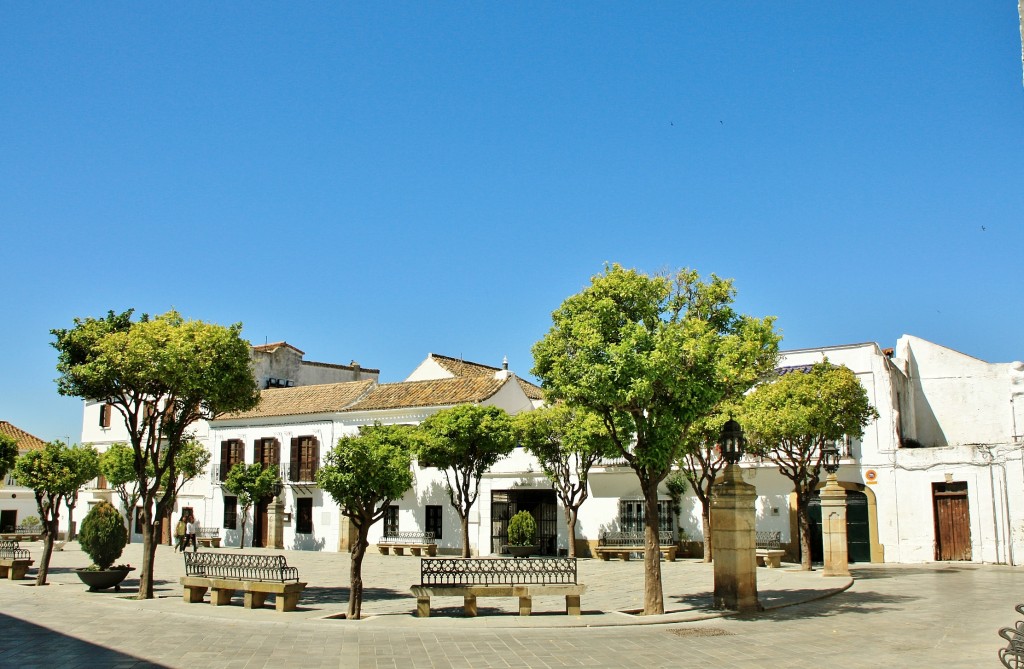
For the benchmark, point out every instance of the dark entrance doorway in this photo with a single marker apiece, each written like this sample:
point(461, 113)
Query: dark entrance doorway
point(542, 506)
point(8, 520)
point(259, 524)
point(858, 532)
point(952, 521)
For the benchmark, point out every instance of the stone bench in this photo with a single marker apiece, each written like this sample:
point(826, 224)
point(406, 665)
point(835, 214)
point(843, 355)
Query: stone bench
point(524, 579)
point(418, 543)
point(14, 561)
point(768, 549)
point(256, 576)
point(208, 537)
point(621, 544)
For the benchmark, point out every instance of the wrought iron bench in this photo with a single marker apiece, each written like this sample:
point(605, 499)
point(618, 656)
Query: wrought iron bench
point(208, 537)
point(623, 543)
point(14, 561)
point(255, 575)
point(23, 533)
point(1012, 656)
point(470, 578)
point(416, 542)
point(768, 549)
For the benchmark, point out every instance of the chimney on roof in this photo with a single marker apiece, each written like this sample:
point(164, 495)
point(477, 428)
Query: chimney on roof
point(504, 363)
point(355, 370)
point(503, 373)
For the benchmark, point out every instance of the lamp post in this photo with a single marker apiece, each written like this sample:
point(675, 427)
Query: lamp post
point(833, 515)
point(733, 528)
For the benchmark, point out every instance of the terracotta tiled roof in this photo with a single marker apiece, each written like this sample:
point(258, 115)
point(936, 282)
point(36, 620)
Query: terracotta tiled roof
point(434, 392)
point(322, 398)
point(459, 367)
point(26, 441)
point(270, 348)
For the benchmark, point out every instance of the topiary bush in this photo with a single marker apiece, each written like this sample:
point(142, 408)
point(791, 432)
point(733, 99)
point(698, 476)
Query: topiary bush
point(522, 530)
point(103, 535)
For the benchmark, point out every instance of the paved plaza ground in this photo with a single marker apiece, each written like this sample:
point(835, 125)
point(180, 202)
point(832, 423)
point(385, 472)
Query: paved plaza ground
point(942, 615)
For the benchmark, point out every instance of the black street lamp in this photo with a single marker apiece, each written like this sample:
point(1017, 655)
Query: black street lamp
point(275, 490)
point(830, 457)
point(731, 442)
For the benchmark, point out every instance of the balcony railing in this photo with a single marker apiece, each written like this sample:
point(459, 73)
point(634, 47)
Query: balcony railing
point(291, 472)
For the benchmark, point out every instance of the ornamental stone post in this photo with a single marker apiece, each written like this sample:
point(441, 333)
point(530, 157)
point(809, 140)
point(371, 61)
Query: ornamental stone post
point(275, 522)
point(833, 528)
point(734, 541)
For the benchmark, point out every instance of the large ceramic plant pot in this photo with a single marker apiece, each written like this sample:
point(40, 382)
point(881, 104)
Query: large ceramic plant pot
point(521, 551)
point(103, 579)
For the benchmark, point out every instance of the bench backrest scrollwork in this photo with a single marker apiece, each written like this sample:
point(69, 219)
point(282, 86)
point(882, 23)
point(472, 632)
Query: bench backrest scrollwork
point(243, 566)
point(408, 538)
point(615, 538)
point(498, 571)
point(769, 540)
point(9, 550)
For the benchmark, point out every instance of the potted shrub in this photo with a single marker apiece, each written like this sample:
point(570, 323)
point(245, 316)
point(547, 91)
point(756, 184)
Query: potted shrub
point(522, 535)
point(103, 538)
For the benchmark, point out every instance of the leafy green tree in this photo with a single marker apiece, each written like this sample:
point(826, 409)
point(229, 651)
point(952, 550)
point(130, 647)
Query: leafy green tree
point(8, 454)
point(191, 460)
point(161, 375)
point(251, 484)
point(464, 442)
point(53, 473)
point(567, 442)
point(117, 464)
point(83, 460)
point(651, 355)
point(792, 418)
point(364, 473)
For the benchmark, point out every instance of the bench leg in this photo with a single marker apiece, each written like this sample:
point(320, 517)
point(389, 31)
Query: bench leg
point(773, 562)
point(5, 572)
point(221, 596)
point(255, 600)
point(432, 550)
point(399, 550)
point(604, 556)
point(193, 594)
point(525, 606)
point(286, 602)
point(624, 555)
point(423, 607)
point(572, 605)
point(469, 605)
point(670, 555)
point(415, 550)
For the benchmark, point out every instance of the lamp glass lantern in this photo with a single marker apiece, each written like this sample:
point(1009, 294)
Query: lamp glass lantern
point(830, 457)
point(275, 490)
point(731, 441)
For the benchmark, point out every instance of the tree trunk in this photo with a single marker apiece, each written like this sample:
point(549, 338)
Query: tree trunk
point(705, 522)
point(245, 514)
point(355, 592)
point(570, 520)
point(465, 534)
point(148, 558)
point(804, 523)
point(44, 561)
point(654, 602)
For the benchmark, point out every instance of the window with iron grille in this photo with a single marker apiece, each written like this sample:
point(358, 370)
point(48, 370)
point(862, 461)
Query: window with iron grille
point(230, 513)
point(305, 459)
point(391, 520)
point(304, 515)
point(231, 453)
point(434, 523)
point(631, 515)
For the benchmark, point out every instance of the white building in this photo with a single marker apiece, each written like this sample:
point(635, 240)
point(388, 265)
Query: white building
point(16, 501)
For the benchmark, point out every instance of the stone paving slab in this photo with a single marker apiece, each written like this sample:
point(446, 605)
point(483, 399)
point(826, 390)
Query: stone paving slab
point(614, 591)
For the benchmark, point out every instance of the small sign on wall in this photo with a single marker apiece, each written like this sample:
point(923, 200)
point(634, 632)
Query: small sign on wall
point(871, 476)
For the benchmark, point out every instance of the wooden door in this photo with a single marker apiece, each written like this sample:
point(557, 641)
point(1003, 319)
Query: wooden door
point(260, 525)
point(952, 521)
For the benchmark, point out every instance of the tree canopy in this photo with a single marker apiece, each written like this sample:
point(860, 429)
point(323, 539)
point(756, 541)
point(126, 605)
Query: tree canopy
point(8, 453)
point(651, 355)
point(250, 483)
point(161, 374)
point(793, 417)
point(364, 473)
point(464, 442)
point(54, 474)
point(567, 442)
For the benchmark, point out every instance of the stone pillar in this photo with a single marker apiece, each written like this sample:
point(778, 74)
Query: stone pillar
point(833, 528)
point(734, 541)
point(275, 522)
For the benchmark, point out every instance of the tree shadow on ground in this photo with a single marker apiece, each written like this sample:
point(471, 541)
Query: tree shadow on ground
point(28, 645)
point(840, 603)
point(321, 595)
point(867, 574)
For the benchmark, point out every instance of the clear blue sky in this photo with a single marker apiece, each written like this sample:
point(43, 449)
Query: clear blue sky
point(375, 181)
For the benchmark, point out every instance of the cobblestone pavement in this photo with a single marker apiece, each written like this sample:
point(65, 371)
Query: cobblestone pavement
point(914, 616)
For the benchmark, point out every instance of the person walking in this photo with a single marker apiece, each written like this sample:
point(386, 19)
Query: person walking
point(190, 534)
point(179, 533)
